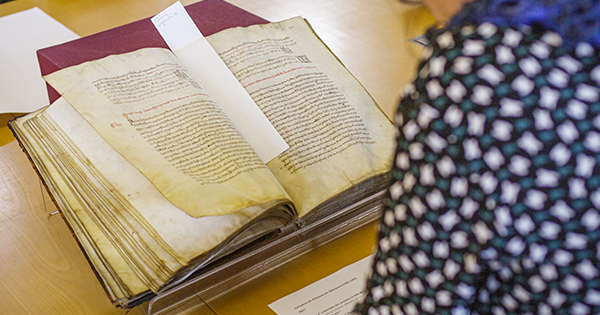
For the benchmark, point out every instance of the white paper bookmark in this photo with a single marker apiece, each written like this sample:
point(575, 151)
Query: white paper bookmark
point(195, 53)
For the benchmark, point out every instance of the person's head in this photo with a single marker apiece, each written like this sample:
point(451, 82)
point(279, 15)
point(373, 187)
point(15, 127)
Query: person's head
point(443, 10)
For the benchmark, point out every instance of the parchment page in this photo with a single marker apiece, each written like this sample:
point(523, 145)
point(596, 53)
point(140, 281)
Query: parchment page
point(112, 268)
point(69, 144)
point(147, 107)
point(187, 236)
point(337, 135)
point(94, 203)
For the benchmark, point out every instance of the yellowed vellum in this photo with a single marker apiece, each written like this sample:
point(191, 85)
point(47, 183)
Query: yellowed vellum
point(146, 106)
point(337, 135)
point(187, 236)
point(98, 248)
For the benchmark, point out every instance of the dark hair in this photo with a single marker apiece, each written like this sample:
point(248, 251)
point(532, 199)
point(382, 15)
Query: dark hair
point(574, 20)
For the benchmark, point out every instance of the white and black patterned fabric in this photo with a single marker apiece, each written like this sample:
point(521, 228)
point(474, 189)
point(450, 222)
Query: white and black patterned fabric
point(494, 203)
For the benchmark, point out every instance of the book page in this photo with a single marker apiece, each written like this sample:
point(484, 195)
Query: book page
point(111, 266)
point(186, 236)
point(147, 107)
point(337, 135)
point(114, 202)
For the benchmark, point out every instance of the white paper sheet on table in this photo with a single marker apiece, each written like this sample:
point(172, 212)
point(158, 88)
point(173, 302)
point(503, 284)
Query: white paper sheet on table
point(336, 294)
point(195, 53)
point(22, 88)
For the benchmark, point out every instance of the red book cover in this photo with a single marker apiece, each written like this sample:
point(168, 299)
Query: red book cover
point(210, 16)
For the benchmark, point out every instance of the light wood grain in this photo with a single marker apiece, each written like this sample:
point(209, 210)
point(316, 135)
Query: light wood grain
point(42, 270)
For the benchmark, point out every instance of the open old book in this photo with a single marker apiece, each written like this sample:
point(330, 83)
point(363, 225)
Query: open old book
point(156, 182)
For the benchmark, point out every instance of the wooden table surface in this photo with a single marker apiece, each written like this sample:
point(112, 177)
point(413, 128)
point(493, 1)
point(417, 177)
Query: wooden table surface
point(42, 270)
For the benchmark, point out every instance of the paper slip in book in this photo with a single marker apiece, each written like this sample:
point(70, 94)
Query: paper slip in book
point(206, 67)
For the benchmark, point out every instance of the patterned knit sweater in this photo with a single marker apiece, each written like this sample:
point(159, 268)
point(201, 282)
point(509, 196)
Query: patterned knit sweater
point(494, 205)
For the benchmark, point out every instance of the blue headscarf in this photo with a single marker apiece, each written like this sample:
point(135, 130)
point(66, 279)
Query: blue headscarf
point(574, 20)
